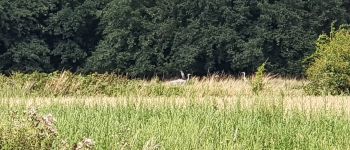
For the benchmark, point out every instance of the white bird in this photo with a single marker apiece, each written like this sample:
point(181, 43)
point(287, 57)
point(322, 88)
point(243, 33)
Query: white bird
point(243, 76)
point(181, 81)
point(182, 74)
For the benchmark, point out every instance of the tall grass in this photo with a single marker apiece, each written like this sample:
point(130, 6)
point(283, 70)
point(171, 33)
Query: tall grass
point(68, 84)
point(208, 113)
point(199, 127)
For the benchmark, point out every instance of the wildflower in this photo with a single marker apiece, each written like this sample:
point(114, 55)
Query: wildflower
point(85, 144)
point(64, 145)
point(89, 143)
point(32, 112)
point(49, 120)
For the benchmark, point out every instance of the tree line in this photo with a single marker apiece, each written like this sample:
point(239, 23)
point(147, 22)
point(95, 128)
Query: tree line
point(150, 37)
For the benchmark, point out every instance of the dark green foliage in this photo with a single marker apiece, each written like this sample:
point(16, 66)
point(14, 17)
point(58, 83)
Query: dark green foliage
point(21, 47)
point(145, 37)
point(29, 56)
point(72, 32)
point(329, 72)
point(291, 27)
point(150, 37)
point(47, 35)
point(161, 37)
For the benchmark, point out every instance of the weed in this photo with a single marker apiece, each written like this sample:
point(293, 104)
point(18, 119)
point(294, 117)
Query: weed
point(258, 80)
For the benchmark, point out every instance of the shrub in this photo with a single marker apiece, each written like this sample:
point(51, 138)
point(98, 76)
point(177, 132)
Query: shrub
point(31, 131)
point(258, 80)
point(329, 70)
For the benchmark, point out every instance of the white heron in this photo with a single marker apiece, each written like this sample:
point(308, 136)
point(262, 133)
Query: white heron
point(183, 80)
point(243, 76)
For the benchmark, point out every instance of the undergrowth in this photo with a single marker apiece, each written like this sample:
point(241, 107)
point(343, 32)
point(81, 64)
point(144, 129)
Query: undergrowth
point(31, 131)
point(69, 84)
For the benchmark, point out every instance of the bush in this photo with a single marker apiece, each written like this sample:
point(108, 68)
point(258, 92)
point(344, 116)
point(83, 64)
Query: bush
point(329, 71)
point(258, 80)
point(31, 131)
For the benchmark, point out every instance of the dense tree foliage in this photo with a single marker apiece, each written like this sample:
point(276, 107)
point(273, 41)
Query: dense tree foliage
point(47, 35)
point(148, 37)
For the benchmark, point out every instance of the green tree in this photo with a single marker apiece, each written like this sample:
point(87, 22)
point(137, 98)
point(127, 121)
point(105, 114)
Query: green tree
point(146, 37)
point(20, 31)
point(289, 29)
point(72, 31)
point(29, 56)
point(69, 30)
point(329, 72)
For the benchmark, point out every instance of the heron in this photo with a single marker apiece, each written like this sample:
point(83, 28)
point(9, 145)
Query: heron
point(183, 80)
point(243, 76)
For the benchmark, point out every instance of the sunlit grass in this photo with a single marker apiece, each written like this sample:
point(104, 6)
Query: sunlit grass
point(68, 84)
point(200, 127)
point(213, 112)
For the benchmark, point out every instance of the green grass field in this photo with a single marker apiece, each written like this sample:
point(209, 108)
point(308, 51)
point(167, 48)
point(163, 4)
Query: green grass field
point(209, 113)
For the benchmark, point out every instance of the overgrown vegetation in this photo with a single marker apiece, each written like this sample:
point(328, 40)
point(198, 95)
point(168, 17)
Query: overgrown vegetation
point(192, 127)
point(61, 84)
point(31, 131)
point(214, 112)
point(329, 73)
point(70, 84)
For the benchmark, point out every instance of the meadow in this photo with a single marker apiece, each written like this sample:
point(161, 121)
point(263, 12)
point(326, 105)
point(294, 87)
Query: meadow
point(214, 112)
